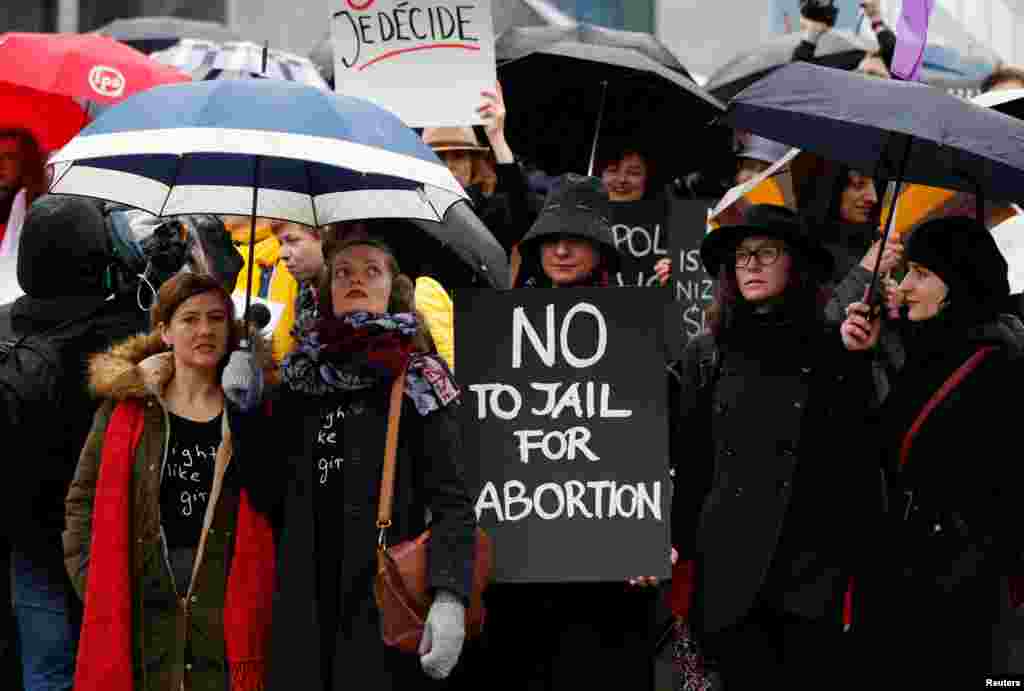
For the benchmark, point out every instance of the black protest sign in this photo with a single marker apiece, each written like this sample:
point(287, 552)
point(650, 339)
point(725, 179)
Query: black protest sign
point(565, 430)
point(641, 233)
point(693, 288)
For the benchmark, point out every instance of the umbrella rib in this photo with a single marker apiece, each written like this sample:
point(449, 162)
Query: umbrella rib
point(174, 182)
point(312, 197)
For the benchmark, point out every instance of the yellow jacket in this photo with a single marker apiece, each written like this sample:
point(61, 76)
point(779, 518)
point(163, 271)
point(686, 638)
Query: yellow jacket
point(282, 287)
point(436, 307)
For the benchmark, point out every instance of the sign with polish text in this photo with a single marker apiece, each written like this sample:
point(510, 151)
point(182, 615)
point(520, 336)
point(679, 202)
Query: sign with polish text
point(565, 430)
point(424, 60)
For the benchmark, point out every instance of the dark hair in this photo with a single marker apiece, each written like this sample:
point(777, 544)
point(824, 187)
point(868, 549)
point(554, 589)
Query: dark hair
point(1002, 74)
point(403, 290)
point(804, 296)
point(616, 150)
point(33, 164)
point(821, 196)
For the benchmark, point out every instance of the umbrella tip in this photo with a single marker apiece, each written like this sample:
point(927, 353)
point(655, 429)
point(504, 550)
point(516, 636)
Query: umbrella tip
point(266, 49)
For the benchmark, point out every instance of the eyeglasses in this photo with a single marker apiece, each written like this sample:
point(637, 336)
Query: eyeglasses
point(766, 256)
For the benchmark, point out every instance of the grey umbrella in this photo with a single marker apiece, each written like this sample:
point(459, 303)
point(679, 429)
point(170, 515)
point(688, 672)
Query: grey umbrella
point(902, 131)
point(150, 34)
point(835, 49)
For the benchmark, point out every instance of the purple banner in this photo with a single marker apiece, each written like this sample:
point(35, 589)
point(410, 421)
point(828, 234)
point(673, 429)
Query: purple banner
point(911, 38)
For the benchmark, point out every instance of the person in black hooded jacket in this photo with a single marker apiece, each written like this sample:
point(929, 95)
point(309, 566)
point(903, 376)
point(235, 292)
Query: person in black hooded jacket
point(66, 268)
point(942, 587)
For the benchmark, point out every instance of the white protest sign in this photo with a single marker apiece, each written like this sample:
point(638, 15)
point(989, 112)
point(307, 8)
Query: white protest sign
point(424, 60)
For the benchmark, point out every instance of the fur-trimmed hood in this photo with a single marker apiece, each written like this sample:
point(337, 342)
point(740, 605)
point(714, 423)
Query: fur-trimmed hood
point(116, 373)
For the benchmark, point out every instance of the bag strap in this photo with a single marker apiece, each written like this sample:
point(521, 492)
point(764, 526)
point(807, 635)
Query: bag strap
point(939, 396)
point(387, 478)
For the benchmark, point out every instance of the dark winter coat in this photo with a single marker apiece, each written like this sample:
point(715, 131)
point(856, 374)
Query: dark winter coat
point(507, 213)
point(773, 500)
point(174, 638)
point(429, 476)
point(953, 519)
point(34, 514)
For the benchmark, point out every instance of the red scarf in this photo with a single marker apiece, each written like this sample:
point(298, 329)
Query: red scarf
point(105, 649)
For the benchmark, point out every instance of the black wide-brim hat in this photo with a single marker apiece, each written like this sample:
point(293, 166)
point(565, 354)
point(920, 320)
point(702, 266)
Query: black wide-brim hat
point(772, 221)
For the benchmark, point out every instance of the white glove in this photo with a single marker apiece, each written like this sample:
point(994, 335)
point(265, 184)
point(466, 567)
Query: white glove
point(243, 380)
point(443, 635)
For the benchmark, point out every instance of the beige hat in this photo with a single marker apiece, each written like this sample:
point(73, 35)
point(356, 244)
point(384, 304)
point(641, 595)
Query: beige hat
point(451, 139)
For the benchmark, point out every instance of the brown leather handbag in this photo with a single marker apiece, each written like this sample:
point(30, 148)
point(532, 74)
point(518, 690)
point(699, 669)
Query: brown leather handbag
point(402, 587)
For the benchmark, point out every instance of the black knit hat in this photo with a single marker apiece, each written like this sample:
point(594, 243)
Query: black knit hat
point(963, 253)
point(64, 249)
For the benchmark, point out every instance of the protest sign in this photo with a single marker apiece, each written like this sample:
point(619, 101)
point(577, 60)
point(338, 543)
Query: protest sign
point(693, 288)
point(424, 60)
point(565, 430)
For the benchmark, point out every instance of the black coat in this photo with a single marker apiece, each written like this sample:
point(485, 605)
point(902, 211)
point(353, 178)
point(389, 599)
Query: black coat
point(773, 498)
point(429, 475)
point(508, 213)
point(34, 514)
point(953, 524)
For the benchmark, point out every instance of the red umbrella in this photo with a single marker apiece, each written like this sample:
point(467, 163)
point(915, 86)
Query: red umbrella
point(53, 120)
point(84, 66)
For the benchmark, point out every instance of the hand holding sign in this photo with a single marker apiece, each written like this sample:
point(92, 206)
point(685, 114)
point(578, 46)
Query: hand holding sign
point(492, 113)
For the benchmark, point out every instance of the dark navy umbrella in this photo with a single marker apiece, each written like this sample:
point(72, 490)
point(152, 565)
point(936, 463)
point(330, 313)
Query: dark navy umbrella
point(901, 131)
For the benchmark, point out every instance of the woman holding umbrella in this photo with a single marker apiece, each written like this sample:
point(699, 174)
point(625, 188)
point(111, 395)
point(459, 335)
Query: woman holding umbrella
point(772, 513)
point(327, 440)
point(952, 531)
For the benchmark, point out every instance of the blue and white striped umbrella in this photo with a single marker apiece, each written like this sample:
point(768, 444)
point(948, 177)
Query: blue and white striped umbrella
point(234, 59)
point(276, 149)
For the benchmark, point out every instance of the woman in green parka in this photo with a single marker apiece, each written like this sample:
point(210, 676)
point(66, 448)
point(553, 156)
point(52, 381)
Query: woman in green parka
point(174, 564)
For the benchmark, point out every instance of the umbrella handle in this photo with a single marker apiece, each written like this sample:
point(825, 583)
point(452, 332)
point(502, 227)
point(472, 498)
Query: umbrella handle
point(245, 343)
point(597, 129)
point(873, 297)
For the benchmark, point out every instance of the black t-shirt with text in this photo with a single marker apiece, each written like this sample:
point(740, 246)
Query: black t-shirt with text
point(187, 479)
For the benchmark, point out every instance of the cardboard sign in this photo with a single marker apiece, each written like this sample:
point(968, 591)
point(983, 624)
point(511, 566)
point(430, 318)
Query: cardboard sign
point(694, 288)
point(424, 60)
point(565, 430)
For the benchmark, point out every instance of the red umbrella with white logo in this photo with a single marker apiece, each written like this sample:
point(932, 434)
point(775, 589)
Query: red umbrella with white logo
point(83, 68)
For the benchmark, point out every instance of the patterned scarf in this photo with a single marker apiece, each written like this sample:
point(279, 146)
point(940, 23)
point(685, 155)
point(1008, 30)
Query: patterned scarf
point(361, 350)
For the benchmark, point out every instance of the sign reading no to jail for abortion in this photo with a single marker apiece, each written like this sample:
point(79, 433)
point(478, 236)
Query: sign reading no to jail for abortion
point(565, 430)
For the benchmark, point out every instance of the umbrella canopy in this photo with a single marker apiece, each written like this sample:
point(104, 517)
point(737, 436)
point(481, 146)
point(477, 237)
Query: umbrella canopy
point(261, 147)
point(149, 34)
point(840, 49)
point(50, 118)
point(563, 84)
point(876, 126)
point(1008, 101)
point(508, 14)
point(89, 67)
point(231, 60)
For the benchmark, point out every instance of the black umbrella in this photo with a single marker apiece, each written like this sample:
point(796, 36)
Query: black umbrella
point(150, 34)
point(1009, 101)
point(901, 131)
point(840, 49)
point(568, 87)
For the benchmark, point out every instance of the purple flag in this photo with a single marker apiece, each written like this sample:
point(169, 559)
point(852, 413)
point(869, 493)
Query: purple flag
point(911, 37)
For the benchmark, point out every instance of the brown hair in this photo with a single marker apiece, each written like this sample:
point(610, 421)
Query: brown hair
point(1002, 74)
point(803, 296)
point(616, 150)
point(185, 285)
point(33, 164)
point(403, 290)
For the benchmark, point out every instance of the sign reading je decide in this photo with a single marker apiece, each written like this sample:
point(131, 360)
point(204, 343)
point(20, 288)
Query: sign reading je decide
point(424, 60)
point(565, 410)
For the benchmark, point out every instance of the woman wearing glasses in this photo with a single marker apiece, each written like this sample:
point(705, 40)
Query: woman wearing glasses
point(771, 502)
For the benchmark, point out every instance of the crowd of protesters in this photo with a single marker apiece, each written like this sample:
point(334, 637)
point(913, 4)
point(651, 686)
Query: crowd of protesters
point(182, 518)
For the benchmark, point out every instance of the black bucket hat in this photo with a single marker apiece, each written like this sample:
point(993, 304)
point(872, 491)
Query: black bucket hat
point(770, 220)
point(576, 205)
